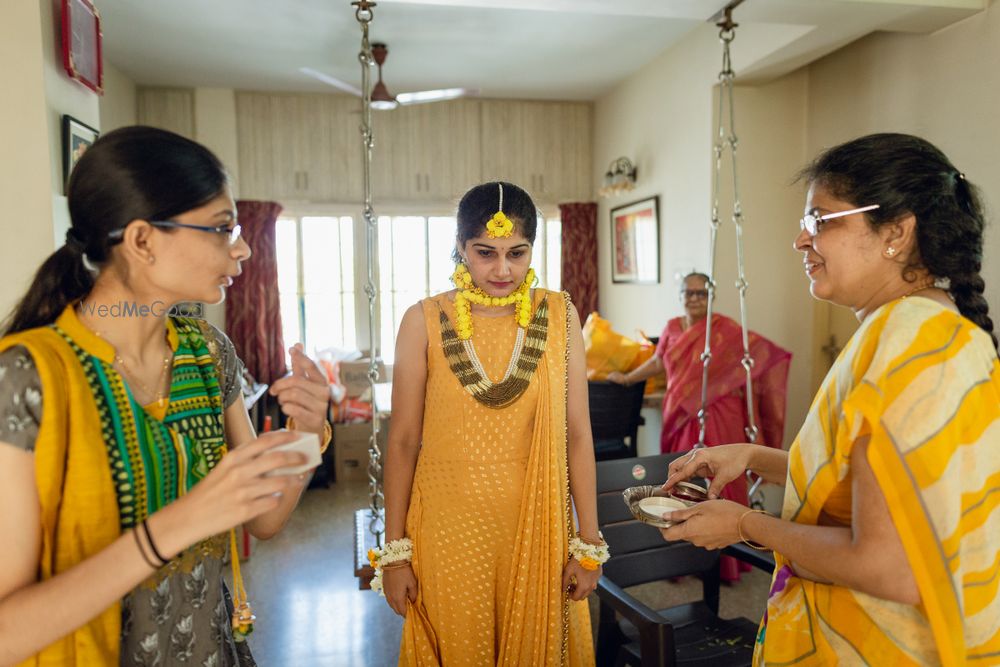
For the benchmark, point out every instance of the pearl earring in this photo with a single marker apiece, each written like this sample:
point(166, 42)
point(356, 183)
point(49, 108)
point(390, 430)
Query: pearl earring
point(890, 252)
point(151, 259)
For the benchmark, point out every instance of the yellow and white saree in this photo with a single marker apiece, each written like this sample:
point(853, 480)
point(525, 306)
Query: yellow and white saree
point(923, 383)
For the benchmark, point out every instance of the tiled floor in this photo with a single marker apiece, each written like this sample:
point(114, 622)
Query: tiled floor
point(311, 613)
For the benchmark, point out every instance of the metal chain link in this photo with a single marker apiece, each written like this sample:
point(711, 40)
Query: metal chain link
point(376, 498)
point(726, 139)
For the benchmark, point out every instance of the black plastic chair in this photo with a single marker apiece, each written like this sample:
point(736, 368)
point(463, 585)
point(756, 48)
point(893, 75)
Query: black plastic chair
point(615, 418)
point(690, 634)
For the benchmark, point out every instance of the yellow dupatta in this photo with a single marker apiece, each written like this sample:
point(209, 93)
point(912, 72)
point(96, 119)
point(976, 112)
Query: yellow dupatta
point(538, 626)
point(79, 510)
point(923, 383)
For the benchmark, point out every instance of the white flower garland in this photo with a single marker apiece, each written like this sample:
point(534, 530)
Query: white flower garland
point(393, 552)
point(590, 556)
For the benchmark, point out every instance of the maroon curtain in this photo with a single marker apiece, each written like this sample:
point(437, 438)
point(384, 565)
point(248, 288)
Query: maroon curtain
point(253, 312)
point(579, 255)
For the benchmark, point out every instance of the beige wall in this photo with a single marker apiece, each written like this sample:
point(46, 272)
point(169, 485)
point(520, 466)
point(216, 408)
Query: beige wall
point(660, 118)
point(941, 86)
point(31, 171)
point(215, 127)
point(118, 102)
point(944, 87)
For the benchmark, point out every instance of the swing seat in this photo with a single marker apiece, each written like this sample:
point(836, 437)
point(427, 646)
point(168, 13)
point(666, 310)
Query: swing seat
point(632, 633)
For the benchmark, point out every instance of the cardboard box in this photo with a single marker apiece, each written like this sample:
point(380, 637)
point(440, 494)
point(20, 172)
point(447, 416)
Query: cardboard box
point(350, 449)
point(354, 376)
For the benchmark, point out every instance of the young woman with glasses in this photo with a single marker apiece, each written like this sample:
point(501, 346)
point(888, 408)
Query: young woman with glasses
point(115, 419)
point(888, 545)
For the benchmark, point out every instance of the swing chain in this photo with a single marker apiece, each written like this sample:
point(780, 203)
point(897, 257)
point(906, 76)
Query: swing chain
point(376, 498)
point(726, 139)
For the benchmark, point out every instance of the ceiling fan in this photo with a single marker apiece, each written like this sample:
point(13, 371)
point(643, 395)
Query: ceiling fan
point(381, 98)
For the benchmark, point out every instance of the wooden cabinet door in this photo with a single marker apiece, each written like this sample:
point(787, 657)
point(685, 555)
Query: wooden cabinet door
point(253, 138)
point(393, 175)
point(504, 145)
point(445, 149)
point(345, 151)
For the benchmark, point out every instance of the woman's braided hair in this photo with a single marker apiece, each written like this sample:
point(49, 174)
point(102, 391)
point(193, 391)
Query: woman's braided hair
point(905, 174)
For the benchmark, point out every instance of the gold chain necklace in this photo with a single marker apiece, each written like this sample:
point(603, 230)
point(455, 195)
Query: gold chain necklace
point(146, 390)
point(132, 379)
point(921, 286)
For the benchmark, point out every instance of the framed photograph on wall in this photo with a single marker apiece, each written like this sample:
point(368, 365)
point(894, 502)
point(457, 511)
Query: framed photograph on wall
point(81, 43)
point(635, 242)
point(77, 137)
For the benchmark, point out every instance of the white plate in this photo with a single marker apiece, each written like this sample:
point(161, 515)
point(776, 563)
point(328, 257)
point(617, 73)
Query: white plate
point(653, 508)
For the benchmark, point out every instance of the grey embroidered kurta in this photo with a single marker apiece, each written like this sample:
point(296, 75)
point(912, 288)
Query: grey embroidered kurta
point(185, 620)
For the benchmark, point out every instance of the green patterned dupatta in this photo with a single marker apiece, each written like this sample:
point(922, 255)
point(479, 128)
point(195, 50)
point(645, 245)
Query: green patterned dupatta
point(155, 462)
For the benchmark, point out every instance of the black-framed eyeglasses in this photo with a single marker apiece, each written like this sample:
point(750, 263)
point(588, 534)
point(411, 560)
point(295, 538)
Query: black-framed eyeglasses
point(812, 222)
point(694, 294)
point(233, 233)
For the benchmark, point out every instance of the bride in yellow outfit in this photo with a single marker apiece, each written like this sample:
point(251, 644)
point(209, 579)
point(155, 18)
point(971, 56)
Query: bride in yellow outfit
point(490, 439)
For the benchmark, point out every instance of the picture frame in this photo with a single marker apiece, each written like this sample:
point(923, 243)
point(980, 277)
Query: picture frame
point(77, 137)
point(81, 43)
point(635, 242)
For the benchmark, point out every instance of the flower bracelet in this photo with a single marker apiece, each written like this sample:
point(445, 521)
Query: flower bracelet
point(393, 554)
point(590, 556)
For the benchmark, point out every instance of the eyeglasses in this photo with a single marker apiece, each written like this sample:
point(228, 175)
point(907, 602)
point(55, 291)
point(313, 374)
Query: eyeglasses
point(694, 294)
point(812, 222)
point(224, 229)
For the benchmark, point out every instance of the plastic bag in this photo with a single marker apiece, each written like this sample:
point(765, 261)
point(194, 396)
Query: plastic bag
point(609, 351)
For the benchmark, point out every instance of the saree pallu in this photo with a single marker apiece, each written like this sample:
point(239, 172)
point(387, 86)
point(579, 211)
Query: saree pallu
point(681, 352)
point(726, 421)
point(922, 384)
point(489, 511)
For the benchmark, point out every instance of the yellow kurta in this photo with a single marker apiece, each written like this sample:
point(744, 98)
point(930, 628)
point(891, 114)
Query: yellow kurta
point(923, 383)
point(489, 513)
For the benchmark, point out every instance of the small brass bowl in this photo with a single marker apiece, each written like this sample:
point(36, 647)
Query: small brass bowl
point(682, 496)
point(689, 492)
point(647, 504)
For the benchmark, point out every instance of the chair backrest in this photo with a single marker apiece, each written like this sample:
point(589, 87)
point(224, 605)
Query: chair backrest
point(638, 551)
point(614, 412)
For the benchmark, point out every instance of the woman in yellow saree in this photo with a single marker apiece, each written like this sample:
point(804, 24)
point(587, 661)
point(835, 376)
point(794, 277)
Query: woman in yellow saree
point(490, 440)
point(888, 548)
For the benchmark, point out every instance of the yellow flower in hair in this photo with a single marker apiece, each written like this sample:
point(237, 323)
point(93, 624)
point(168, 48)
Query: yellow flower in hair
point(499, 226)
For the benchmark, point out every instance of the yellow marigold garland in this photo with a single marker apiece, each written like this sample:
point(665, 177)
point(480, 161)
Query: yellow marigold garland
point(521, 298)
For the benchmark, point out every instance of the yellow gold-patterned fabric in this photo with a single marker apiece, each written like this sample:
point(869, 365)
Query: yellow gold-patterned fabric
point(922, 384)
point(489, 513)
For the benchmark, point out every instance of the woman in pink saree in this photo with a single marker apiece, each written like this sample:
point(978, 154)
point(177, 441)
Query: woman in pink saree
point(678, 354)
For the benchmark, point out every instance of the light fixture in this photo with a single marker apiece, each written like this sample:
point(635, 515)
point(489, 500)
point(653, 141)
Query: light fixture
point(619, 178)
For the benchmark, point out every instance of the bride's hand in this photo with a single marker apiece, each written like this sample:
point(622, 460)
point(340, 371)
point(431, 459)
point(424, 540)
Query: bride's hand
point(578, 581)
point(399, 585)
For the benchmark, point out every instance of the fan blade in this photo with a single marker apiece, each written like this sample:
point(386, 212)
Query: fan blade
point(425, 96)
point(331, 81)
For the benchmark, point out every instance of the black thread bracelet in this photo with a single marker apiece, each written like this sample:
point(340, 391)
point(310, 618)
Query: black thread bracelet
point(138, 544)
point(152, 545)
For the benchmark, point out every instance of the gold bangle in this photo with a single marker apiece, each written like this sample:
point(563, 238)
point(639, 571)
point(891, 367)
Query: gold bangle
point(327, 433)
point(602, 543)
point(739, 529)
